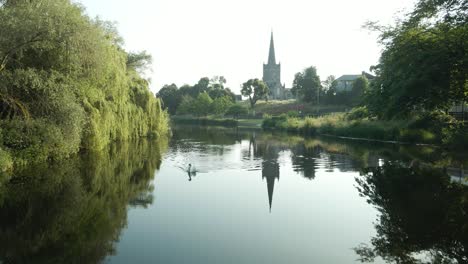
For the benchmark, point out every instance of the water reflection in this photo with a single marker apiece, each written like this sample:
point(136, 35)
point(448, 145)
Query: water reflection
point(73, 212)
point(421, 212)
point(420, 192)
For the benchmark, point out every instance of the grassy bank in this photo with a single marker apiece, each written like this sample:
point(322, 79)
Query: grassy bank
point(274, 107)
point(205, 121)
point(414, 131)
point(217, 121)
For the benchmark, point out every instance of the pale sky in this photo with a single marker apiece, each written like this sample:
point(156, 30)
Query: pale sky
point(190, 39)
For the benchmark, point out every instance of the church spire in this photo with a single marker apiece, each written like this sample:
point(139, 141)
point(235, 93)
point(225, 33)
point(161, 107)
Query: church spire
point(271, 55)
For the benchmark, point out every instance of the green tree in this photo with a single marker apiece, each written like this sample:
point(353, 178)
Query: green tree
point(307, 85)
point(67, 83)
point(424, 65)
point(187, 105)
point(329, 90)
point(217, 89)
point(220, 105)
point(202, 105)
point(237, 110)
point(140, 61)
point(171, 98)
point(201, 87)
point(360, 88)
point(255, 89)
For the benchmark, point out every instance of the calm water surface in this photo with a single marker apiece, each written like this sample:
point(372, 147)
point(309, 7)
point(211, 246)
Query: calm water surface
point(248, 197)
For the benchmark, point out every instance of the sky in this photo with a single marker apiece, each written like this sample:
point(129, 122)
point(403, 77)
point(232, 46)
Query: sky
point(191, 39)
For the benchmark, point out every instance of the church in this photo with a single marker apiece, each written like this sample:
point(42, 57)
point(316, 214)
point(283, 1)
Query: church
point(272, 76)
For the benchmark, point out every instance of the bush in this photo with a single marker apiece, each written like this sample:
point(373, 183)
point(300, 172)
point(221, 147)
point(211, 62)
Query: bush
point(358, 113)
point(237, 110)
point(205, 121)
point(340, 125)
point(293, 114)
point(456, 136)
point(6, 162)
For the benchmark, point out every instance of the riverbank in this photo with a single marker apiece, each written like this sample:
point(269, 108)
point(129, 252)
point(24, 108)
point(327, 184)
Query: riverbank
point(415, 131)
point(216, 121)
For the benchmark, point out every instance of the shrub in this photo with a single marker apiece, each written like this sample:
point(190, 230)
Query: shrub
point(237, 110)
point(6, 162)
point(358, 113)
point(456, 136)
point(293, 114)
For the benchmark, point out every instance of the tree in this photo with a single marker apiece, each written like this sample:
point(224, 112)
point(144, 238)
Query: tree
point(360, 88)
point(329, 90)
point(217, 89)
point(237, 110)
point(139, 61)
point(424, 65)
point(255, 89)
point(171, 98)
point(202, 105)
point(67, 83)
point(201, 87)
point(329, 83)
point(220, 105)
point(186, 106)
point(307, 85)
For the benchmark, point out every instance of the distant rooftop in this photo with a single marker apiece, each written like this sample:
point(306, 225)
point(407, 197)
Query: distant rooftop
point(349, 77)
point(352, 77)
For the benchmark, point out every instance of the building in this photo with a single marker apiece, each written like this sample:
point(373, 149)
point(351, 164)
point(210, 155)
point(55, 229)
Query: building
point(345, 82)
point(272, 76)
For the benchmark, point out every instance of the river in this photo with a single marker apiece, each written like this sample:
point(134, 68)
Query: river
point(218, 195)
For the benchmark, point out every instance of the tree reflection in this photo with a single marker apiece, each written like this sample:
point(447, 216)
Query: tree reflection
point(303, 159)
point(73, 212)
point(421, 211)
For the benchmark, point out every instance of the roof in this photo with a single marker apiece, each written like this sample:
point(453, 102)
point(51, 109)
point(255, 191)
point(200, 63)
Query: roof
point(350, 77)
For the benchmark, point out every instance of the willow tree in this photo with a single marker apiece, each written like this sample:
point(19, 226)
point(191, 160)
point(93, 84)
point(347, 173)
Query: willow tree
point(66, 82)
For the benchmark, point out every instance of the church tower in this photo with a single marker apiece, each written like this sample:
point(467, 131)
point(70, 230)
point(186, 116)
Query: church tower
point(272, 73)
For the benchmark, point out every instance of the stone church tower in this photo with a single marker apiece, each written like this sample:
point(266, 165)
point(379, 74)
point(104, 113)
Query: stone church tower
point(272, 74)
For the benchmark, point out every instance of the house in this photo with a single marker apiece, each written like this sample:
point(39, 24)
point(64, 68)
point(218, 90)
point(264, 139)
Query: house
point(345, 82)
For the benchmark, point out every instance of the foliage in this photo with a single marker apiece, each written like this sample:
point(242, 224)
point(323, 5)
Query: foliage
point(139, 61)
point(307, 85)
point(420, 211)
point(187, 105)
point(171, 98)
point(237, 110)
point(215, 88)
point(357, 113)
point(206, 121)
point(360, 88)
point(342, 125)
point(66, 83)
point(255, 89)
point(73, 211)
point(275, 107)
point(6, 162)
point(221, 105)
point(424, 65)
point(202, 105)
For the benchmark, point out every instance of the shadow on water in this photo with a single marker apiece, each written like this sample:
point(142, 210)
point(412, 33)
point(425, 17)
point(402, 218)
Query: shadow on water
point(74, 211)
